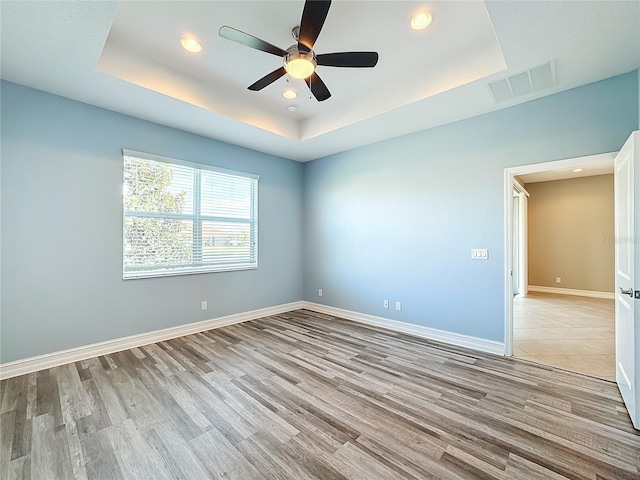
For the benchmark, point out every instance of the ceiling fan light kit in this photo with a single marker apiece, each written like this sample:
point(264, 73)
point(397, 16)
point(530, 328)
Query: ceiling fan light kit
point(299, 64)
point(299, 60)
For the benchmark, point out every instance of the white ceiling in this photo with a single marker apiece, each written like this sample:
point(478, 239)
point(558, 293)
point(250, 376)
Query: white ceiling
point(126, 57)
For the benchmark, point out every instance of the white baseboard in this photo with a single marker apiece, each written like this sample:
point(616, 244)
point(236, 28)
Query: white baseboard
point(55, 359)
point(475, 343)
point(571, 291)
point(49, 360)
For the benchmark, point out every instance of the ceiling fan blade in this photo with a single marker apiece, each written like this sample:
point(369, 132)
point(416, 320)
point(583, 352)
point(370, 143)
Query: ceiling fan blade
point(313, 16)
point(249, 41)
point(348, 59)
point(317, 87)
point(267, 79)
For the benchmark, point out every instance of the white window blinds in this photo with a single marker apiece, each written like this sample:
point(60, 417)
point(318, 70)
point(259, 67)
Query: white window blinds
point(182, 218)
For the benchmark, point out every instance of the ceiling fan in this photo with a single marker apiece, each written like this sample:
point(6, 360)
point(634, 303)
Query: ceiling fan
point(300, 60)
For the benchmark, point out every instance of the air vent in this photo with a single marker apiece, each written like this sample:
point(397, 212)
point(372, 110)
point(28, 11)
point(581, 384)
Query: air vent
point(523, 83)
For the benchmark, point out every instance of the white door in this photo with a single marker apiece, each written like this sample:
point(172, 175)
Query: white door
point(627, 323)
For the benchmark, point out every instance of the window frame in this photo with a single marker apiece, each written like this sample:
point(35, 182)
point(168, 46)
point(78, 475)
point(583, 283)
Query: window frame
point(197, 265)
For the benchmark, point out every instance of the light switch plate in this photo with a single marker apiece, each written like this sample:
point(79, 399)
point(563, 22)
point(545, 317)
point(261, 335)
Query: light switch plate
point(479, 253)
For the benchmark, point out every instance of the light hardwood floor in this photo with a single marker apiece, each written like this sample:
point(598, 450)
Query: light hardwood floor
point(566, 331)
point(308, 396)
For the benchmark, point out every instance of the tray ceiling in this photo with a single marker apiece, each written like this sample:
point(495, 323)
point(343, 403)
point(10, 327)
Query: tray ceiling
point(126, 57)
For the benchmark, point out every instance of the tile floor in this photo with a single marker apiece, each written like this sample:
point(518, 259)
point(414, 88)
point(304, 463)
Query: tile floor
point(576, 333)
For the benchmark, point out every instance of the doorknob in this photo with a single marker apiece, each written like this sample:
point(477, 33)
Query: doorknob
point(628, 291)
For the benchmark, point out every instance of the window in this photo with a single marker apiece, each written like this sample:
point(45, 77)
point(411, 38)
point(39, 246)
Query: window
point(182, 218)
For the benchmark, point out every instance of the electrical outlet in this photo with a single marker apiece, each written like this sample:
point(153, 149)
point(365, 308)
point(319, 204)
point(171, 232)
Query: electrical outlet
point(319, 292)
point(205, 305)
point(398, 306)
point(558, 280)
point(386, 304)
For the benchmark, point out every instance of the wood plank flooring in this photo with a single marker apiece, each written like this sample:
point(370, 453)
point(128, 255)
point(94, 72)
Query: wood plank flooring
point(309, 396)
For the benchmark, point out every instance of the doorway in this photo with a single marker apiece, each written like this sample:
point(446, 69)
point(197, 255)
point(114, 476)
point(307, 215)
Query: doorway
point(516, 251)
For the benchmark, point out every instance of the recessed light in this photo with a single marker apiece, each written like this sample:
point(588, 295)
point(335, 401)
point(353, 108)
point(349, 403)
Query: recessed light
point(577, 170)
point(292, 108)
point(421, 19)
point(290, 94)
point(191, 44)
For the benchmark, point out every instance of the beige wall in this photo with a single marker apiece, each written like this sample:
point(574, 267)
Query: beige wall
point(570, 233)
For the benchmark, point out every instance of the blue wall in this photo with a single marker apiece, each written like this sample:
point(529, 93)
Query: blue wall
point(61, 243)
point(397, 220)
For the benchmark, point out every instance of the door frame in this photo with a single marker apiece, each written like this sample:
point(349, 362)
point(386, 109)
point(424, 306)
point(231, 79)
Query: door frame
point(523, 247)
point(509, 174)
